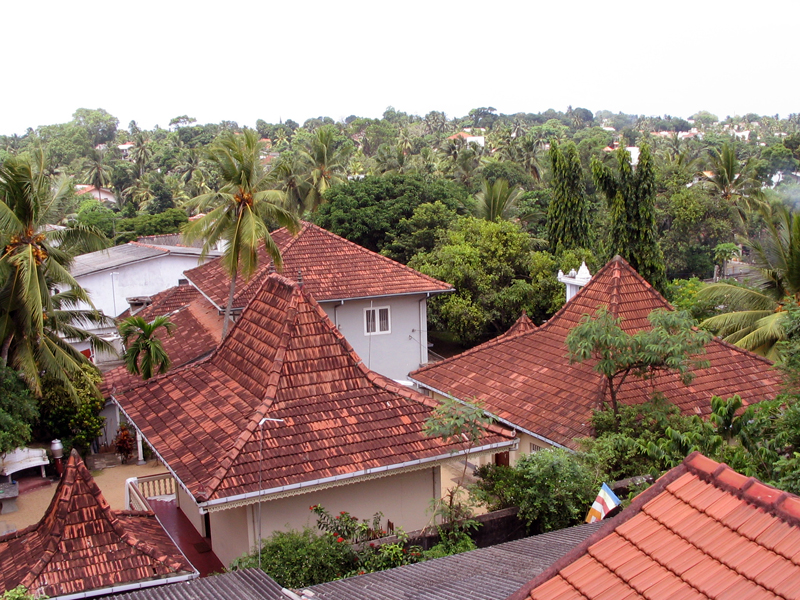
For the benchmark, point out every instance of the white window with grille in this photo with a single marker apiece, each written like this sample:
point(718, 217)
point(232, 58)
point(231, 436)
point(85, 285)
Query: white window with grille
point(377, 320)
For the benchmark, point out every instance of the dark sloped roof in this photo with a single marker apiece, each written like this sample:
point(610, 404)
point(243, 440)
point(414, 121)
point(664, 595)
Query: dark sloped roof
point(702, 531)
point(525, 378)
point(248, 584)
point(332, 268)
point(284, 359)
point(483, 574)
point(198, 328)
point(81, 545)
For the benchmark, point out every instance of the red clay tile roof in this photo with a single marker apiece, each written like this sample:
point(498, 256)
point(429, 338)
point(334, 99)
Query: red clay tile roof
point(526, 380)
point(284, 359)
point(701, 531)
point(198, 329)
point(332, 268)
point(81, 545)
point(165, 302)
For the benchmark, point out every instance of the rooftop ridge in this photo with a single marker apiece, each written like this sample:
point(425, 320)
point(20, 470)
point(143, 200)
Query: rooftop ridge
point(55, 518)
point(385, 259)
point(151, 246)
point(269, 395)
point(780, 504)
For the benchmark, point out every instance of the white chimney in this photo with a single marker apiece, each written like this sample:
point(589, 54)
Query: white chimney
point(575, 281)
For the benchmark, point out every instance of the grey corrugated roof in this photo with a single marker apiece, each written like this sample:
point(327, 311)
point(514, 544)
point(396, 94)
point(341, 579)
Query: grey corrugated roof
point(249, 584)
point(483, 574)
point(116, 256)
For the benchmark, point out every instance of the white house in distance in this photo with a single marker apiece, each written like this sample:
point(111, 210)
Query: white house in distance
point(104, 195)
point(132, 271)
point(379, 305)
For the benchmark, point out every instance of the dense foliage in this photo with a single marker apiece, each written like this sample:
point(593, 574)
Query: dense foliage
point(18, 411)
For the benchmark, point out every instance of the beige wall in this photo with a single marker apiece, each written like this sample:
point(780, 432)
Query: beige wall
point(402, 498)
point(190, 509)
point(527, 443)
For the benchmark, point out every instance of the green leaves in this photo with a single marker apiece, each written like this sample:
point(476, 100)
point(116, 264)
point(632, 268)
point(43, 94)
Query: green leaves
point(144, 353)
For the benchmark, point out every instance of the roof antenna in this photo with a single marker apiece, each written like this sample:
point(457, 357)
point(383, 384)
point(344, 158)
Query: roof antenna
point(300, 277)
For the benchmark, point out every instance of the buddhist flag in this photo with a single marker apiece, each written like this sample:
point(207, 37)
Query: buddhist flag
point(605, 503)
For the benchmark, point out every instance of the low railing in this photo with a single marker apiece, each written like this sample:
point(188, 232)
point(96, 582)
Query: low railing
point(139, 489)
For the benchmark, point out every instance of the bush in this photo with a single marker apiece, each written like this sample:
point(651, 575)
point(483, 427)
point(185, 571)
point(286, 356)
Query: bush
point(552, 488)
point(18, 410)
point(297, 559)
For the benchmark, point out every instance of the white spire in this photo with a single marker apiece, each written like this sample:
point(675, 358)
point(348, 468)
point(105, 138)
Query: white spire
point(575, 281)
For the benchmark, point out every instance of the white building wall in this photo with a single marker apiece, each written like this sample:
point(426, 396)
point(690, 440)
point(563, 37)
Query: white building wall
point(393, 354)
point(402, 498)
point(144, 278)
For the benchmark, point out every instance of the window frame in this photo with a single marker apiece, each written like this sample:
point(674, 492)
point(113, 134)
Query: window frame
point(376, 310)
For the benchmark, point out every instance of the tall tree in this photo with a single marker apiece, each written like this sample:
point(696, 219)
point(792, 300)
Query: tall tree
point(734, 181)
point(630, 194)
point(97, 171)
point(36, 316)
point(496, 200)
point(240, 209)
point(144, 353)
point(326, 164)
point(567, 214)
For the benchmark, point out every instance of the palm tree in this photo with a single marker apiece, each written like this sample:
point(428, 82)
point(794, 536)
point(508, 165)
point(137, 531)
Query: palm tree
point(287, 176)
point(240, 209)
point(326, 165)
point(142, 152)
point(757, 316)
point(97, 171)
point(35, 315)
point(735, 182)
point(145, 351)
point(496, 200)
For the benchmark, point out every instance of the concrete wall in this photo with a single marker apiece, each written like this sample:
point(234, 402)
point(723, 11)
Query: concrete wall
point(393, 354)
point(402, 498)
point(190, 509)
point(144, 278)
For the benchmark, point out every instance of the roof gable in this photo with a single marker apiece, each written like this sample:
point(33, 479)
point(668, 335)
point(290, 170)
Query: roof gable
point(526, 379)
point(331, 268)
point(702, 531)
point(285, 360)
point(81, 545)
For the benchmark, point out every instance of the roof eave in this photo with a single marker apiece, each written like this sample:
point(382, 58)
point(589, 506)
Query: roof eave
point(357, 476)
point(493, 416)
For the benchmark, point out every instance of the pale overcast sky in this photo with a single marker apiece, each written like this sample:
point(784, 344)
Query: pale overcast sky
point(242, 61)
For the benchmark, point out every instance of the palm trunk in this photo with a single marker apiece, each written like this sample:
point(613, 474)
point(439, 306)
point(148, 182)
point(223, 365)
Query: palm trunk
point(6, 347)
point(229, 308)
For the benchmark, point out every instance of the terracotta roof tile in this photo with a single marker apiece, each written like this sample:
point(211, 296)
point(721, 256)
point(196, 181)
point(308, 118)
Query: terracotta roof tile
point(332, 268)
point(673, 541)
point(525, 378)
point(81, 545)
point(198, 328)
point(286, 360)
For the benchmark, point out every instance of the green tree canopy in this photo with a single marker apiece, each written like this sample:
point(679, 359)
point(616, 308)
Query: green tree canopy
point(368, 211)
point(567, 214)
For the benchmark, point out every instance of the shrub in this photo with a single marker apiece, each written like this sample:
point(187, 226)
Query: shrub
point(552, 488)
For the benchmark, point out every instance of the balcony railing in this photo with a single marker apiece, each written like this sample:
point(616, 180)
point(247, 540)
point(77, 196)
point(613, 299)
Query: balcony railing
point(139, 489)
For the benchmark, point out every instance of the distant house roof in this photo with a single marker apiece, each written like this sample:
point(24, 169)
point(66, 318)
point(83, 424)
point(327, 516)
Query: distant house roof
point(284, 359)
point(198, 329)
point(132, 252)
point(247, 584)
point(484, 574)
point(168, 239)
point(526, 379)
point(86, 189)
point(81, 546)
point(332, 268)
point(701, 531)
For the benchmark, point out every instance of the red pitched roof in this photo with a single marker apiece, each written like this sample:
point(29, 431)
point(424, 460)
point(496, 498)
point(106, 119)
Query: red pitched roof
point(198, 329)
point(81, 545)
point(284, 359)
point(702, 531)
point(332, 268)
point(526, 379)
point(165, 302)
